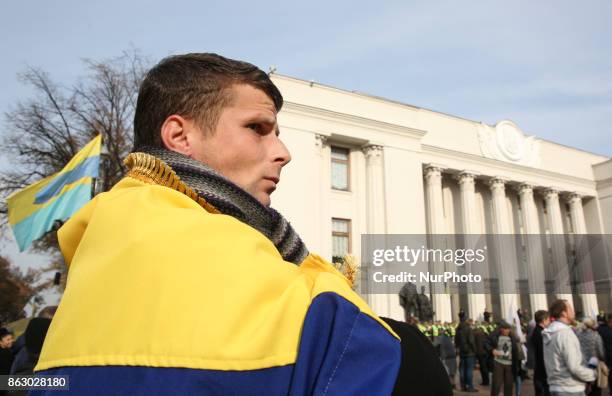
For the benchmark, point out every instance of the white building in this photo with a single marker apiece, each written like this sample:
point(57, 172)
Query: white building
point(362, 164)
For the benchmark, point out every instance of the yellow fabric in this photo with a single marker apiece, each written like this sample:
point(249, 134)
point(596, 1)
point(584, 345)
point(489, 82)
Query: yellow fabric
point(175, 286)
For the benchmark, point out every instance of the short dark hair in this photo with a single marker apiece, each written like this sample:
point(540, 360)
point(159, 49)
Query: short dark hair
point(557, 308)
point(504, 325)
point(5, 332)
point(541, 316)
point(195, 86)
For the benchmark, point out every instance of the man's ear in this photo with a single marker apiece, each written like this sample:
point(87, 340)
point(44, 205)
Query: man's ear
point(174, 134)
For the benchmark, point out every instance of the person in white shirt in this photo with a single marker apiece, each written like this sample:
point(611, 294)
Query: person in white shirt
point(567, 376)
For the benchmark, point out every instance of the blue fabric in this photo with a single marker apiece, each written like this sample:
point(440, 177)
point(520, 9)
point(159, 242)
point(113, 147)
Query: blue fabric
point(342, 352)
point(135, 380)
point(88, 168)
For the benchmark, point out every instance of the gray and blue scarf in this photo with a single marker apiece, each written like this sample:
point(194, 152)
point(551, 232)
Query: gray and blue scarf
point(232, 200)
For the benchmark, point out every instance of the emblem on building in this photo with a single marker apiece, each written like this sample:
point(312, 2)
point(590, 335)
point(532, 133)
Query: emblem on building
point(506, 142)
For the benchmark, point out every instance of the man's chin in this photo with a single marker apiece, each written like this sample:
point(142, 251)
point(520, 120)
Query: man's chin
point(263, 198)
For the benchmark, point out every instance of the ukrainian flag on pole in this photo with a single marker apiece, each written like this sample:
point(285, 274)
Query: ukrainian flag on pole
point(32, 211)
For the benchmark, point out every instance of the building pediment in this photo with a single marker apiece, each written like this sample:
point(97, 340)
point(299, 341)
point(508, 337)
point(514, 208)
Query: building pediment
point(506, 142)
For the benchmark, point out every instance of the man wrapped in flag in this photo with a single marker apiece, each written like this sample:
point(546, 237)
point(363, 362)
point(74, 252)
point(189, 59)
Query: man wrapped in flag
point(33, 210)
point(183, 280)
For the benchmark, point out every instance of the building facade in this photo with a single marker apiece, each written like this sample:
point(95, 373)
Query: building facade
point(366, 165)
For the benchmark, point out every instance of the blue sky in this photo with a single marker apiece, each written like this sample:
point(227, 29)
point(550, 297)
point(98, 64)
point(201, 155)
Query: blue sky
point(546, 65)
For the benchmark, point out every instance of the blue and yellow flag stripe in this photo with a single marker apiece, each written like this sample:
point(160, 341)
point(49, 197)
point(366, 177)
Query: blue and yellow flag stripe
point(88, 168)
point(33, 210)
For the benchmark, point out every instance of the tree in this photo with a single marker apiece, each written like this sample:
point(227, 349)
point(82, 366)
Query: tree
point(16, 289)
point(44, 132)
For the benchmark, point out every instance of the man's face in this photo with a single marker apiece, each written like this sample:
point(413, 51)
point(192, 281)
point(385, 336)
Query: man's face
point(545, 322)
point(569, 312)
point(6, 341)
point(245, 147)
point(504, 331)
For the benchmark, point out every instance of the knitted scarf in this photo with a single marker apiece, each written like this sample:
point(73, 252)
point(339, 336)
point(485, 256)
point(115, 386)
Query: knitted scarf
point(229, 199)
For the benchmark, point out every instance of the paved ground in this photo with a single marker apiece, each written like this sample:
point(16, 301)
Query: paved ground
point(526, 388)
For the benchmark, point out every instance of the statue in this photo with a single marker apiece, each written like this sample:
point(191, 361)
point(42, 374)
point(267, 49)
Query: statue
point(407, 300)
point(414, 304)
point(425, 310)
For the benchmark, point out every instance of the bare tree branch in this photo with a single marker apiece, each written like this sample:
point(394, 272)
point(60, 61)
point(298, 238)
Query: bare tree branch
point(45, 131)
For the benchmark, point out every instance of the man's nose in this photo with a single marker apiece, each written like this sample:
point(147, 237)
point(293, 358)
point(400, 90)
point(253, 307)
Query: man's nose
point(280, 152)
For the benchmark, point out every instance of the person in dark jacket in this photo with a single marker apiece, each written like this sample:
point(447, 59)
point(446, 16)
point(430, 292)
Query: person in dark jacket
point(464, 341)
point(480, 339)
point(540, 382)
point(504, 353)
point(530, 364)
point(448, 354)
point(6, 354)
point(605, 331)
point(27, 357)
point(421, 371)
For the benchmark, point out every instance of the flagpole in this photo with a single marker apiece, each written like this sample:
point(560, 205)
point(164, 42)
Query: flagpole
point(99, 181)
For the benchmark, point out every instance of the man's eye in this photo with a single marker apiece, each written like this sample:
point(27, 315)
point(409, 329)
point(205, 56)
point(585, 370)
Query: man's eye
point(256, 127)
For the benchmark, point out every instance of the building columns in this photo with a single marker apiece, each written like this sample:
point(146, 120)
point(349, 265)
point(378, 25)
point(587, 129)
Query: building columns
point(587, 294)
point(476, 301)
point(435, 205)
point(505, 253)
point(376, 213)
point(533, 248)
point(559, 276)
point(323, 174)
point(435, 218)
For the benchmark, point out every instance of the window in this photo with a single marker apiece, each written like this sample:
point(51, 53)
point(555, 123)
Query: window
point(340, 168)
point(341, 239)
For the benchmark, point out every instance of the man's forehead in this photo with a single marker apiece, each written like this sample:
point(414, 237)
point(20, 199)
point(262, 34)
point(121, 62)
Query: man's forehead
point(247, 96)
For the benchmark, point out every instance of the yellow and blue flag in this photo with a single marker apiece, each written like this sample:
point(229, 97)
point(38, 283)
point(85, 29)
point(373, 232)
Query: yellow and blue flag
point(32, 211)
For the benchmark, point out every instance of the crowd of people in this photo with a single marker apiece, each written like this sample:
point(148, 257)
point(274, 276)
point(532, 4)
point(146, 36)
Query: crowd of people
point(19, 355)
point(567, 357)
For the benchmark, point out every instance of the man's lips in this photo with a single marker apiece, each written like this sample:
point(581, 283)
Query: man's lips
point(273, 179)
